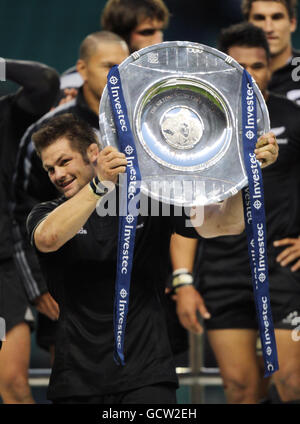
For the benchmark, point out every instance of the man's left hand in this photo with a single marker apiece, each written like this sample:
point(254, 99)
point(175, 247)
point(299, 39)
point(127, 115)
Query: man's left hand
point(290, 254)
point(266, 149)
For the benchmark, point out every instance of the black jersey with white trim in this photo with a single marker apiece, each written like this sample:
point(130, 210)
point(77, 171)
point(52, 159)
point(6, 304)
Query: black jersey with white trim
point(81, 277)
point(225, 262)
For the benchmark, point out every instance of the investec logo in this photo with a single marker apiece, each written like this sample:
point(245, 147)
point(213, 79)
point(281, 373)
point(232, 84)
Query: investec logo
point(122, 304)
point(250, 115)
point(126, 244)
point(132, 187)
point(250, 127)
point(261, 252)
point(266, 333)
point(256, 182)
point(117, 105)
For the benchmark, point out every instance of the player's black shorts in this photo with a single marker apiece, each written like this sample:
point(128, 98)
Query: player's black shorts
point(14, 305)
point(235, 308)
point(162, 393)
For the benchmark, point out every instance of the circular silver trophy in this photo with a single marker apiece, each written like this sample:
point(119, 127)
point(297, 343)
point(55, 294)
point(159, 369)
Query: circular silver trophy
point(184, 106)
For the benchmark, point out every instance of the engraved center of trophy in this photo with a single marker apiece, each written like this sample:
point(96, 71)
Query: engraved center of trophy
point(181, 127)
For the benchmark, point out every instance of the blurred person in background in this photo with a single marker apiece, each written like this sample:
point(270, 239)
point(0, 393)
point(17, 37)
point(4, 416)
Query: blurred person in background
point(278, 19)
point(139, 22)
point(39, 86)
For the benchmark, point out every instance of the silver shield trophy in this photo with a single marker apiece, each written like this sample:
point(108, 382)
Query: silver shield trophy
point(184, 106)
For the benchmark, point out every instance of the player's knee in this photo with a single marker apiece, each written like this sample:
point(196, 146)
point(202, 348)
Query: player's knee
point(290, 385)
point(241, 389)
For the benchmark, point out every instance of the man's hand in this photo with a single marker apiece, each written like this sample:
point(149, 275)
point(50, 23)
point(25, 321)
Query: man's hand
point(46, 305)
point(70, 94)
point(289, 254)
point(110, 164)
point(266, 149)
point(189, 302)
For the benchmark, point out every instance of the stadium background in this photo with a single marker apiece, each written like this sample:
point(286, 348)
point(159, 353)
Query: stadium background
point(50, 31)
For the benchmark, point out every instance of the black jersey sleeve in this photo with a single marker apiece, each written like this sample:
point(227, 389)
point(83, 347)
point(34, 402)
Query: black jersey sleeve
point(39, 85)
point(37, 215)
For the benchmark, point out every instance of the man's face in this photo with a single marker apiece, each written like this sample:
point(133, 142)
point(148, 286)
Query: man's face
point(274, 19)
point(147, 33)
point(254, 60)
point(66, 167)
point(94, 70)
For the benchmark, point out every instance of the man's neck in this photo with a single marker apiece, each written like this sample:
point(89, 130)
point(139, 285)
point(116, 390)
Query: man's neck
point(281, 59)
point(90, 100)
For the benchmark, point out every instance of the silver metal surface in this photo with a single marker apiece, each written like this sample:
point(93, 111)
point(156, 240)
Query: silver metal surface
point(184, 107)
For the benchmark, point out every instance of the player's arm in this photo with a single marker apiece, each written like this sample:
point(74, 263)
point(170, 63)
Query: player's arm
point(188, 300)
point(227, 218)
point(221, 219)
point(39, 85)
point(65, 221)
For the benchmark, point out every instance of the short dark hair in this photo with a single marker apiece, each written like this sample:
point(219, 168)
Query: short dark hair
point(291, 6)
point(89, 45)
point(244, 34)
point(122, 16)
point(79, 132)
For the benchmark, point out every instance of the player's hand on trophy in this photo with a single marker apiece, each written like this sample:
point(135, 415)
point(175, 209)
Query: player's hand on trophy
point(267, 149)
point(110, 164)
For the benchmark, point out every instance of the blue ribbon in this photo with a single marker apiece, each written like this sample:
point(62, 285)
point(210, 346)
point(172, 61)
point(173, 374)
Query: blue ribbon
point(255, 222)
point(128, 215)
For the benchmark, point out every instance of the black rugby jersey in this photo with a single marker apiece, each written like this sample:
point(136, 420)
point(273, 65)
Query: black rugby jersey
point(225, 261)
point(81, 277)
point(286, 80)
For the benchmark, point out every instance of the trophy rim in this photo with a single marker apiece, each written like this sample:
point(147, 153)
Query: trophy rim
point(108, 134)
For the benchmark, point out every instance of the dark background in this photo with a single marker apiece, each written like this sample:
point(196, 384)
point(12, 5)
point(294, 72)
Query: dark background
point(50, 31)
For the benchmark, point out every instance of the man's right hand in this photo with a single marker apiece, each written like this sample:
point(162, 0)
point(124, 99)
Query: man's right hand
point(110, 164)
point(46, 305)
point(189, 301)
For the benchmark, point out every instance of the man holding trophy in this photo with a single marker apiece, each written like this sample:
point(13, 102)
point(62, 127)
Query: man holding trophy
point(114, 303)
